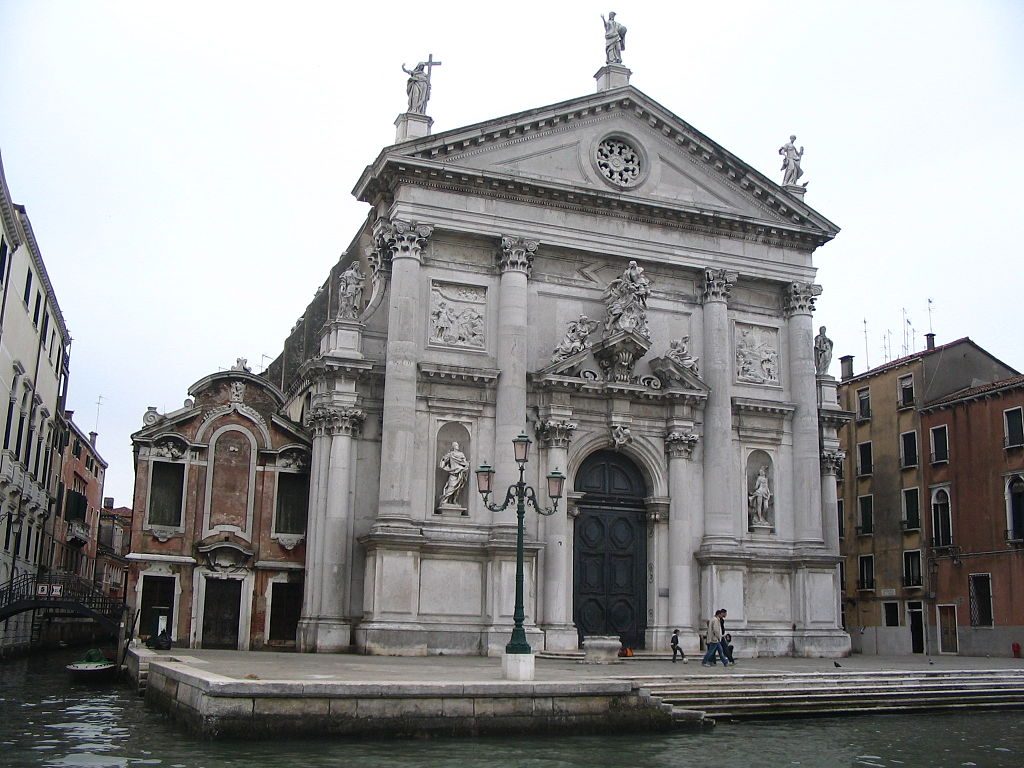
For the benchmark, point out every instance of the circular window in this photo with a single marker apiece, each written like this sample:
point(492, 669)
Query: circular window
point(619, 162)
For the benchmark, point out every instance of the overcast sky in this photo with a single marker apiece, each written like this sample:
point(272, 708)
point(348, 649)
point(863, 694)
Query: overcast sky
point(187, 166)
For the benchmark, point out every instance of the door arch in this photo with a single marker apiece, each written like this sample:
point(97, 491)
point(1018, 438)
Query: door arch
point(610, 549)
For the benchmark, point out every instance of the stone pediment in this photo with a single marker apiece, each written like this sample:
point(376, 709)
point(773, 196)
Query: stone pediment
point(675, 376)
point(618, 149)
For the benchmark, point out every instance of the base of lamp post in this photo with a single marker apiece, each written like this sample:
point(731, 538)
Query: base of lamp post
point(517, 666)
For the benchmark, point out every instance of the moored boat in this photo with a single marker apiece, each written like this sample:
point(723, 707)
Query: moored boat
point(94, 667)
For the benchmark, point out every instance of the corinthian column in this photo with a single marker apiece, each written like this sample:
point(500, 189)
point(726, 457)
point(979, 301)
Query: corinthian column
point(326, 621)
point(402, 243)
point(719, 476)
point(831, 462)
point(516, 262)
point(685, 527)
point(799, 304)
point(559, 632)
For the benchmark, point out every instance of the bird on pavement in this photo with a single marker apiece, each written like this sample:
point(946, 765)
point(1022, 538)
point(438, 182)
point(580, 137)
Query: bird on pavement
point(837, 665)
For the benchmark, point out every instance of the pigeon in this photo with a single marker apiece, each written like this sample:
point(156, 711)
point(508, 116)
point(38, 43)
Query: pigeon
point(837, 665)
point(931, 662)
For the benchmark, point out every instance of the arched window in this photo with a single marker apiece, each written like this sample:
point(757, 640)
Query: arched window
point(942, 523)
point(1015, 508)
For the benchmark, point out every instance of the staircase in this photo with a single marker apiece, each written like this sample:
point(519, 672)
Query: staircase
point(791, 694)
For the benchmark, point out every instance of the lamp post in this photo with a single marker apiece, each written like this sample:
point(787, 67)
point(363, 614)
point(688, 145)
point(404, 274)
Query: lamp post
point(521, 493)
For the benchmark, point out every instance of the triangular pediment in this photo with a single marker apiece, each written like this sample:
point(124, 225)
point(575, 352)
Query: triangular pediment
point(620, 145)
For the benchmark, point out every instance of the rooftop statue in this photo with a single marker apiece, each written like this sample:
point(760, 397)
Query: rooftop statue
point(791, 157)
point(418, 85)
point(614, 39)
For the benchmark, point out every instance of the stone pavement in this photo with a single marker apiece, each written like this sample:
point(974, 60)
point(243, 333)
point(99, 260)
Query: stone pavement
point(269, 666)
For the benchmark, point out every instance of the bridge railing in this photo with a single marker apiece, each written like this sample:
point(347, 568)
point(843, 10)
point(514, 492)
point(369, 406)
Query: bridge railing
point(57, 586)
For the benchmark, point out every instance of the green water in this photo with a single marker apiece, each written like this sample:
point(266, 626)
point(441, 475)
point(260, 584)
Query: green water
point(47, 721)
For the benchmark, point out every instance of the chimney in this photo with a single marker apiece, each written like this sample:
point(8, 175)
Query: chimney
point(108, 502)
point(92, 439)
point(929, 341)
point(846, 367)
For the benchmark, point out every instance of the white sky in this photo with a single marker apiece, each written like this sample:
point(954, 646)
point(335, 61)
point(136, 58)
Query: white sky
point(187, 166)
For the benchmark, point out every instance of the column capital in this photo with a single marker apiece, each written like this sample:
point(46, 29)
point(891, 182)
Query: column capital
point(397, 239)
point(800, 298)
point(680, 445)
point(555, 433)
point(330, 421)
point(718, 285)
point(832, 462)
point(517, 254)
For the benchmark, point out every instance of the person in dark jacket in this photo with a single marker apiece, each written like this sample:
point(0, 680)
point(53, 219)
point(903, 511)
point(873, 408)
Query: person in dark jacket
point(676, 649)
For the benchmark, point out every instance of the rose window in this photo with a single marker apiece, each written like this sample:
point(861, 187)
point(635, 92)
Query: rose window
point(619, 162)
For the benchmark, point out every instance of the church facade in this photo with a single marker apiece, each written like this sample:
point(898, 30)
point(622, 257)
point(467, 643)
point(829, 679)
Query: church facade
point(598, 275)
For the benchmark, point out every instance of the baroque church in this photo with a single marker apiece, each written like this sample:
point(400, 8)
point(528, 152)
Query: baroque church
point(596, 274)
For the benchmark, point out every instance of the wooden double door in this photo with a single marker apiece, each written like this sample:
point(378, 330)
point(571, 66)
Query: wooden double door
point(610, 550)
point(222, 609)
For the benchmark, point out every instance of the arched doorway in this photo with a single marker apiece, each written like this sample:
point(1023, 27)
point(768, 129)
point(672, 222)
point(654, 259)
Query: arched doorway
point(610, 550)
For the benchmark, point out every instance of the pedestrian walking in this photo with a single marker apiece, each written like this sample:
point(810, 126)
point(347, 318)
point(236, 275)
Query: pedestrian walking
point(714, 639)
point(676, 649)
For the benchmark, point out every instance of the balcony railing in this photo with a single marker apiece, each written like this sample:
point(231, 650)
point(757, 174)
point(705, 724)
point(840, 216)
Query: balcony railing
point(78, 533)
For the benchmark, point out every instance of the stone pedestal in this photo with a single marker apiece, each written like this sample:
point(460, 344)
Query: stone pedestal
point(612, 76)
point(517, 666)
point(343, 337)
point(410, 126)
point(601, 649)
point(797, 190)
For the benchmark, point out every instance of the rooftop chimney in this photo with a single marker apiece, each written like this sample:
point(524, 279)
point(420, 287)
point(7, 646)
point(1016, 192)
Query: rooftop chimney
point(929, 340)
point(846, 367)
point(92, 439)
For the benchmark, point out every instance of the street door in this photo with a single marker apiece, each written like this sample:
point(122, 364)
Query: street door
point(947, 629)
point(221, 611)
point(915, 618)
point(610, 550)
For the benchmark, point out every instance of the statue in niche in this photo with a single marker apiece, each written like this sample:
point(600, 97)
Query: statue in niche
point(350, 292)
point(760, 498)
point(576, 339)
point(822, 352)
point(791, 157)
point(456, 465)
point(679, 353)
point(614, 39)
point(626, 299)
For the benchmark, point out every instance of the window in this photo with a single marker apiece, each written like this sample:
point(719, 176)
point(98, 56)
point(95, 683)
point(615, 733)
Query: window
point(165, 493)
point(863, 404)
point(912, 568)
point(842, 575)
point(981, 599)
point(906, 392)
point(46, 326)
point(3, 259)
point(28, 287)
point(942, 523)
point(891, 614)
point(76, 506)
point(911, 509)
point(292, 502)
point(867, 508)
point(940, 445)
point(864, 464)
point(866, 574)
point(1013, 421)
point(76, 449)
point(908, 449)
point(35, 312)
point(1015, 508)
point(841, 512)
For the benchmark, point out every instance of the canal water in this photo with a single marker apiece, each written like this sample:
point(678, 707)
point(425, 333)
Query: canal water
point(47, 721)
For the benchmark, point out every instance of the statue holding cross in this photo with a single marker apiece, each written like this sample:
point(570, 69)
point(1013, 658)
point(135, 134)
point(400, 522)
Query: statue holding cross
point(418, 86)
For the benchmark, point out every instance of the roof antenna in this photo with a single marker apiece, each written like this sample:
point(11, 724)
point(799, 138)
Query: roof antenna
point(867, 363)
point(99, 402)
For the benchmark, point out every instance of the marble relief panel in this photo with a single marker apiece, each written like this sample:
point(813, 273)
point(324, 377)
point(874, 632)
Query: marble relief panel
point(757, 354)
point(457, 315)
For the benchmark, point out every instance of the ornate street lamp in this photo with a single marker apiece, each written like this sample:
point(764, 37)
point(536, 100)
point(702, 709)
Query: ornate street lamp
point(520, 493)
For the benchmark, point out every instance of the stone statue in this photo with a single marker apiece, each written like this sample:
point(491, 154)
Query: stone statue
point(456, 465)
point(241, 364)
point(679, 353)
point(822, 353)
point(791, 157)
point(350, 292)
point(418, 88)
point(760, 498)
point(614, 39)
point(575, 339)
point(621, 435)
point(626, 299)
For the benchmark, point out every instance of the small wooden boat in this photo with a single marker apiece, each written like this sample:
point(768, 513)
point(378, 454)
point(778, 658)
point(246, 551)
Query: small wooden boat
point(94, 667)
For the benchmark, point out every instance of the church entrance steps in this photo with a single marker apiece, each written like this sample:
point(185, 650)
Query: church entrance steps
point(742, 696)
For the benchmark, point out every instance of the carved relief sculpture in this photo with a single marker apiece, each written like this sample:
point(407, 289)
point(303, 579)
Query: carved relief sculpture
point(618, 162)
point(822, 352)
point(760, 499)
point(626, 299)
point(350, 293)
point(614, 39)
point(455, 463)
point(621, 435)
point(456, 315)
point(237, 391)
point(757, 356)
point(576, 339)
point(791, 157)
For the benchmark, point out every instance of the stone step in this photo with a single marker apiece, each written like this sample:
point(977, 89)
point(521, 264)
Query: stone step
point(723, 687)
point(882, 704)
point(782, 696)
